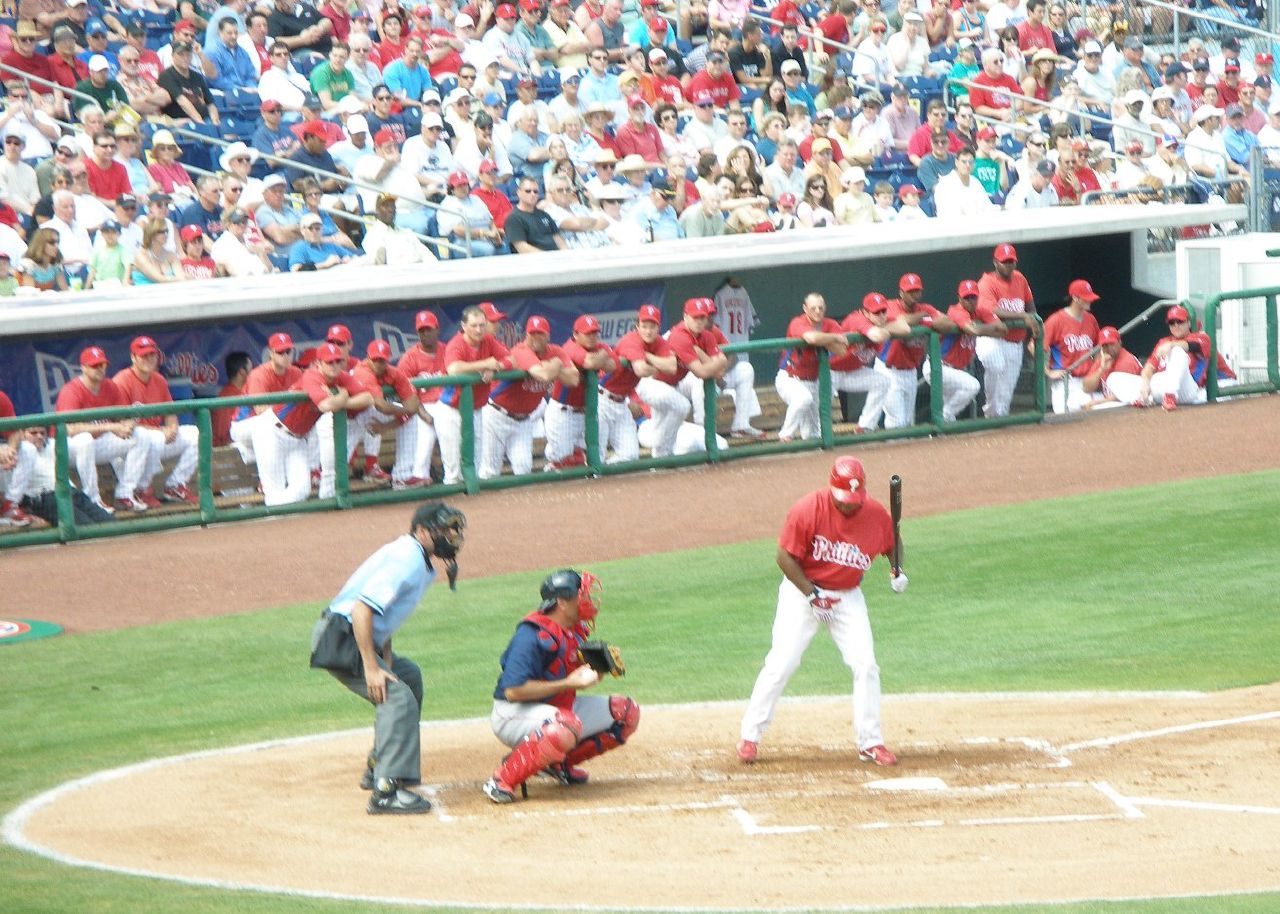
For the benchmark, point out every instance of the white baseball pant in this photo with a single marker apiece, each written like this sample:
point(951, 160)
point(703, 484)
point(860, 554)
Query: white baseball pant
point(1066, 395)
point(617, 429)
point(1176, 379)
point(690, 438)
point(284, 460)
point(406, 448)
point(794, 626)
point(1123, 386)
point(505, 437)
point(357, 425)
point(739, 384)
point(566, 429)
point(900, 400)
point(1001, 362)
point(16, 483)
point(868, 381)
point(958, 389)
point(669, 407)
point(185, 446)
point(425, 441)
point(449, 434)
point(801, 397)
point(242, 438)
point(86, 452)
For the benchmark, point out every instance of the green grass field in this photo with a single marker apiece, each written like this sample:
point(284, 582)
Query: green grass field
point(1168, 587)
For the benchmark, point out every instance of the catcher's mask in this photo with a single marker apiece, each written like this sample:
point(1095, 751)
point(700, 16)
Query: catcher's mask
point(446, 525)
point(849, 481)
point(567, 583)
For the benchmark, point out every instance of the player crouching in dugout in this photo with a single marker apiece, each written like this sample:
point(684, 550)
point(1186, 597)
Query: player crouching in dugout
point(537, 710)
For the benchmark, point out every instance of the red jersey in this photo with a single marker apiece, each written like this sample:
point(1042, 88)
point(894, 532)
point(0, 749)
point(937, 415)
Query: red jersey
point(835, 28)
point(906, 354)
point(154, 390)
point(620, 382)
point(1012, 294)
point(387, 52)
point(68, 72)
point(221, 418)
point(805, 150)
point(521, 396)
point(394, 378)
point(199, 268)
point(75, 394)
point(1067, 192)
point(264, 380)
point(860, 355)
point(108, 183)
point(149, 63)
point(1067, 339)
point(921, 142)
point(721, 91)
point(835, 549)
point(958, 348)
point(418, 363)
point(498, 204)
point(300, 418)
point(459, 350)
point(682, 343)
point(575, 397)
point(1197, 362)
point(802, 363)
point(993, 93)
point(1125, 362)
point(1035, 36)
point(667, 89)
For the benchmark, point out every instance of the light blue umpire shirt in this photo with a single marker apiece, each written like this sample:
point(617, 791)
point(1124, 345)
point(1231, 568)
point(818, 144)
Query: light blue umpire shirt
point(391, 583)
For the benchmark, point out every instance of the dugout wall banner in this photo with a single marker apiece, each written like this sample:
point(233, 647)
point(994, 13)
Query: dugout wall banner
point(32, 371)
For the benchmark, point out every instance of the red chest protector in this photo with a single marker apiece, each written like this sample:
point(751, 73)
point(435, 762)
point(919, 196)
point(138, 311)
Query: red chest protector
point(562, 647)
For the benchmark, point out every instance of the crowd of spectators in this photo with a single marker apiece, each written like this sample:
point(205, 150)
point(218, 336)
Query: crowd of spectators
point(535, 126)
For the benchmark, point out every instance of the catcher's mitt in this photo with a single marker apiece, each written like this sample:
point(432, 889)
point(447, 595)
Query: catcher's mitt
point(602, 657)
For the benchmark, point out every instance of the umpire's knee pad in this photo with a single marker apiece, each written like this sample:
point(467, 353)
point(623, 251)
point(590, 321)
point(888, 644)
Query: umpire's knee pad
point(626, 716)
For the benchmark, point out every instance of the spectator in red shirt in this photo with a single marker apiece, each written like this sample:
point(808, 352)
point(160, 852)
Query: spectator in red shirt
point(716, 81)
point(1034, 34)
point(108, 179)
point(23, 57)
point(835, 26)
point(993, 89)
point(491, 195)
point(1074, 177)
point(67, 69)
point(638, 136)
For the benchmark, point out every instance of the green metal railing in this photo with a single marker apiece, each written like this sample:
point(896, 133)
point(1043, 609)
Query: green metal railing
point(209, 512)
point(1210, 313)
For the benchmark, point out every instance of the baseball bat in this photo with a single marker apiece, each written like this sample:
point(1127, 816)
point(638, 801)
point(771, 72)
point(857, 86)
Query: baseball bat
point(895, 509)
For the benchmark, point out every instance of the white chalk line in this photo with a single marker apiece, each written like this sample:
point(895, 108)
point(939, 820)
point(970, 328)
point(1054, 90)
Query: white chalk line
point(1108, 741)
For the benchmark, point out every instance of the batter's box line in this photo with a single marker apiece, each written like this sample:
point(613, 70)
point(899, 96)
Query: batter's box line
point(661, 808)
point(1108, 741)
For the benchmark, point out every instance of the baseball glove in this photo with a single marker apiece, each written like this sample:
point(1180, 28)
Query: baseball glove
point(602, 657)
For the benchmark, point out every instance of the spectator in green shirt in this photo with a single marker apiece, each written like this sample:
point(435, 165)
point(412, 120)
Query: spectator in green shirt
point(330, 80)
point(106, 269)
point(990, 166)
point(8, 282)
point(100, 86)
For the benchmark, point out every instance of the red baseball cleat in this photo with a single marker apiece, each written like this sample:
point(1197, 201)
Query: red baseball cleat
point(13, 516)
point(879, 755)
point(181, 493)
point(1170, 402)
point(131, 503)
point(146, 498)
point(747, 750)
point(411, 482)
point(375, 473)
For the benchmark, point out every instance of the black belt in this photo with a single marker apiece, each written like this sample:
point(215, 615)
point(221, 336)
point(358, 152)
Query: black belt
point(612, 396)
point(287, 430)
point(573, 409)
point(518, 417)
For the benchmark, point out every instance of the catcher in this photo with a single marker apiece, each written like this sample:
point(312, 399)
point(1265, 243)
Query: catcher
point(537, 710)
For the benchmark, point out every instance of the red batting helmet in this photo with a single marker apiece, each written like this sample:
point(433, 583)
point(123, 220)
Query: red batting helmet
point(848, 481)
point(967, 289)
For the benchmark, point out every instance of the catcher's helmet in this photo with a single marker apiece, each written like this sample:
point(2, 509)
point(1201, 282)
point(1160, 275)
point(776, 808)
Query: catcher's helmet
point(564, 583)
point(849, 481)
point(446, 525)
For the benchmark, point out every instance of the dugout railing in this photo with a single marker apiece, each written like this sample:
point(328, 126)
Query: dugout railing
point(1271, 327)
point(209, 511)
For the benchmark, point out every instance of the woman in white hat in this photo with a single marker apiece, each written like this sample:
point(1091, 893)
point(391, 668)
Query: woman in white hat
point(166, 169)
point(634, 170)
point(237, 161)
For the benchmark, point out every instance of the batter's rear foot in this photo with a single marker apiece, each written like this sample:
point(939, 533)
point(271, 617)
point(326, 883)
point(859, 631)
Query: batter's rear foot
point(747, 751)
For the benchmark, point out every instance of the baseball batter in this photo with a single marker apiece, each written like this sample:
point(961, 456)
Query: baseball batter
point(92, 443)
point(1178, 366)
point(371, 607)
point(474, 350)
point(276, 375)
point(564, 419)
point(142, 383)
point(537, 710)
point(281, 434)
point(797, 378)
point(972, 320)
point(511, 413)
point(1114, 375)
point(698, 359)
point(900, 358)
point(855, 370)
point(1006, 292)
point(828, 541)
point(398, 414)
point(424, 360)
point(1069, 334)
point(641, 354)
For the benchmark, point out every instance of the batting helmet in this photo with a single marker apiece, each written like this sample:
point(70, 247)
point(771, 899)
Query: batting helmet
point(849, 481)
point(446, 525)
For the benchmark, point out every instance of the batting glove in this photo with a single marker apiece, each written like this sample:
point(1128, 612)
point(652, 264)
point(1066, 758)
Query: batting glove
point(898, 582)
point(823, 605)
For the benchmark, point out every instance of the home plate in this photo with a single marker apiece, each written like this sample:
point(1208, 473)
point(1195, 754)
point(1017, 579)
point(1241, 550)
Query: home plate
point(908, 784)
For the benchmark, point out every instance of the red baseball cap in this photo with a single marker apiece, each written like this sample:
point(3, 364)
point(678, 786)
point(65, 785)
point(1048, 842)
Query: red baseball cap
point(271, 105)
point(1263, 58)
point(649, 313)
point(327, 352)
point(190, 233)
point(143, 345)
point(379, 349)
point(184, 25)
point(1231, 68)
point(531, 6)
point(488, 167)
point(1108, 335)
point(658, 25)
point(787, 199)
point(875, 303)
point(491, 312)
point(459, 178)
point(505, 11)
point(987, 133)
point(586, 323)
point(907, 189)
point(560, 2)
point(315, 128)
point(1080, 288)
point(537, 324)
point(338, 333)
point(384, 136)
point(699, 307)
point(910, 282)
point(280, 342)
point(967, 289)
point(93, 356)
point(425, 319)
point(1005, 253)
point(1177, 313)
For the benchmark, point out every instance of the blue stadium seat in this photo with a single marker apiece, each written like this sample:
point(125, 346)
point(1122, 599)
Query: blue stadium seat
point(549, 84)
point(1010, 146)
point(447, 84)
point(684, 46)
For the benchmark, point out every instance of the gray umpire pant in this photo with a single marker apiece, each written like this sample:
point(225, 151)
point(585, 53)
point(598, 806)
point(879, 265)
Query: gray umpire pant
point(397, 747)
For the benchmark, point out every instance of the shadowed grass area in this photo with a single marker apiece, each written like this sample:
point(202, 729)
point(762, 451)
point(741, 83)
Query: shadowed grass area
point(1169, 587)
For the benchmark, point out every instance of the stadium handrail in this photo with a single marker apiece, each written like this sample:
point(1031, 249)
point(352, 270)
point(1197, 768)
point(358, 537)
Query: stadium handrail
point(1234, 24)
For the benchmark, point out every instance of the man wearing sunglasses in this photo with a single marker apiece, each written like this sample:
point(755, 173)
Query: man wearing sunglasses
point(22, 190)
point(1176, 370)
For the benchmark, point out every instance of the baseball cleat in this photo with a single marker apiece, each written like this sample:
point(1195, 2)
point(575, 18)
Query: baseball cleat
point(747, 750)
point(412, 482)
point(131, 503)
point(1170, 402)
point(181, 493)
point(567, 774)
point(879, 755)
point(389, 798)
point(13, 516)
point(1139, 404)
point(147, 498)
point(498, 792)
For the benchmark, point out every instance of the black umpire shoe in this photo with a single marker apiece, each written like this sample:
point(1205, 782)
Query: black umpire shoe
point(390, 798)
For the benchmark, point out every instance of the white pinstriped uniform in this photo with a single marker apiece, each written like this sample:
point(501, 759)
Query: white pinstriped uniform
point(185, 446)
point(739, 383)
point(407, 434)
point(801, 397)
point(424, 442)
point(284, 459)
point(958, 389)
point(566, 429)
point(617, 430)
point(868, 381)
point(900, 398)
point(669, 407)
point(449, 435)
point(18, 482)
point(1175, 378)
point(86, 452)
point(1001, 363)
point(356, 427)
point(505, 437)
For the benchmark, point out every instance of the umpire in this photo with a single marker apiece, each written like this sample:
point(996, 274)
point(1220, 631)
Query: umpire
point(352, 641)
